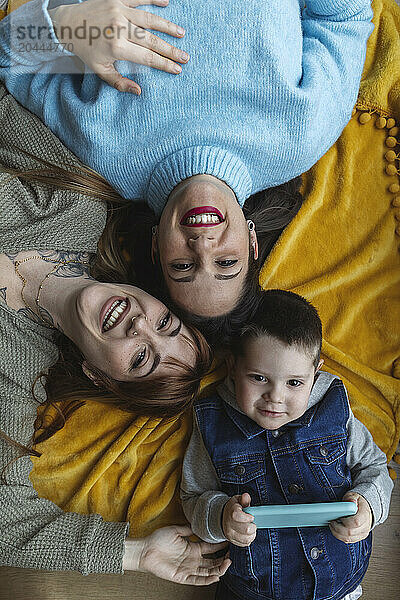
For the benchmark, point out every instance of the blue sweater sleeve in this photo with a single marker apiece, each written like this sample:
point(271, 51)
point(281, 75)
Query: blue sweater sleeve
point(30, 53)
point(28, 37)
point(335, 36)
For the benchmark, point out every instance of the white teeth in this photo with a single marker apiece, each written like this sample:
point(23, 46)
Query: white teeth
point(116, 309)
point(204, 218)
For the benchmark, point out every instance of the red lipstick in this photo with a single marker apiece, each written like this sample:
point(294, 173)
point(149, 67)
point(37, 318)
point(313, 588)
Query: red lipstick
point(201, 210)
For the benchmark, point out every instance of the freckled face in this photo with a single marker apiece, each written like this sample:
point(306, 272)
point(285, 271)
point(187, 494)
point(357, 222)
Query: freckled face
point(273, 381)
point(204, 263)
point(127, 333)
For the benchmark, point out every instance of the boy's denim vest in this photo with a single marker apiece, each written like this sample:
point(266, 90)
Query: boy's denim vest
point(304, 461)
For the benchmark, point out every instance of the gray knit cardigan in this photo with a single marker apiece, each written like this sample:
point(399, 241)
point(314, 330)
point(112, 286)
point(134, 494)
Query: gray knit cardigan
point(34, 532)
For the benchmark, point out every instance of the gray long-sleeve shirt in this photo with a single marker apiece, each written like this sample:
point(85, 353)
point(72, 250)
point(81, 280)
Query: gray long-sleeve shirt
point(203, 501)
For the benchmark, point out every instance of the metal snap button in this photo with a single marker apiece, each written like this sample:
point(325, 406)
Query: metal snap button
point(295, 489)
point(240, 470)
point(275, 433)
point(315, 552)
point(323, 451)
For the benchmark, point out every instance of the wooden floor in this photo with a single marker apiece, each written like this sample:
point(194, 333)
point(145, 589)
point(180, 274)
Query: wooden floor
point(382, 581)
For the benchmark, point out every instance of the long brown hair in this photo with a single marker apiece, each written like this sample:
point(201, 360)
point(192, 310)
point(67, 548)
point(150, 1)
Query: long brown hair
point(163, 397)
point(66, 385)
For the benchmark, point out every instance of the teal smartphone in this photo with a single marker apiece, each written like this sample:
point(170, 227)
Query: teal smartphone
point(300, 515)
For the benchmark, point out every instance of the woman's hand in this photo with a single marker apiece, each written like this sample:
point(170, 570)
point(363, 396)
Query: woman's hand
point(357, 527)
point(237, 525)
point(167, 554)
point(116, 30)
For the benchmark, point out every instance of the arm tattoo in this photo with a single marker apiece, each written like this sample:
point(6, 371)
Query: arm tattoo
point(28, 312)
point(12, 257)
point(78, 262)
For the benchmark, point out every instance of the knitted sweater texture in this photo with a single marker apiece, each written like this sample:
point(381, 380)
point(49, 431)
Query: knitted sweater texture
point(268, 89)
point(35, 533)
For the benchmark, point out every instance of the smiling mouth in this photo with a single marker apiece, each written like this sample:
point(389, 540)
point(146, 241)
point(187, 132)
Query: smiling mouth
point(113, 312)
point(270, 413)
point(202, 216)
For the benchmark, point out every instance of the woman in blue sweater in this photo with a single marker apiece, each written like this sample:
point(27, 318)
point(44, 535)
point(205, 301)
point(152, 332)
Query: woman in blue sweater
point(268, 89)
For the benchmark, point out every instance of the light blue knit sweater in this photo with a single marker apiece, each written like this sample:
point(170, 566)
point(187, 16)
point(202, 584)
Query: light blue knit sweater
point(267, 90)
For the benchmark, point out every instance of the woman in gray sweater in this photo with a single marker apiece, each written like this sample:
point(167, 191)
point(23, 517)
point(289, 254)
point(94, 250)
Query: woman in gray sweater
point(128, 340)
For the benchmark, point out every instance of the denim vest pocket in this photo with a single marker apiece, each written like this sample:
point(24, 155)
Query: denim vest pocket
point(327, 462)
point(360, 553)
point(243, 475)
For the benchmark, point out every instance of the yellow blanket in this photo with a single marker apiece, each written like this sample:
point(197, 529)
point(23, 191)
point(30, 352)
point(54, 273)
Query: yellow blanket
point(340, 252)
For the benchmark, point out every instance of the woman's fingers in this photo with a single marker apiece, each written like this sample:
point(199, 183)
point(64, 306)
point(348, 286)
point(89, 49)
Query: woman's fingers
point(218, 570)
point(144, 56)
point(111, 76)
point(138, 22)
point(135, 3)
point(147, 20)
point(136, 54)
point(210, 575)
point(182, 530)
point(209, 563)
point(156, 44)
point(201, 579)
point(207, 548)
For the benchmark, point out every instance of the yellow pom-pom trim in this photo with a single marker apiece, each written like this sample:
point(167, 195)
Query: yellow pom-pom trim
point(391, 142)
point(394, 188)
point(392, 166)
point(391, 169)
point(380, 123)
point(396, 458)
point(392, 473)
point(364, 118)
point(390, 155)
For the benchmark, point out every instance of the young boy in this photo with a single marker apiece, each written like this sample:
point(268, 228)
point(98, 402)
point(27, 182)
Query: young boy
point(279, 431)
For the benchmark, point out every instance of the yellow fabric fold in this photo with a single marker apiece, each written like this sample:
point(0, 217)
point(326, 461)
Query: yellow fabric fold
point(340, 252)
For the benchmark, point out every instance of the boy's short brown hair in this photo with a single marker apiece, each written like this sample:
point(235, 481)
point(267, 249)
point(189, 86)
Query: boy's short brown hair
point(287, 317)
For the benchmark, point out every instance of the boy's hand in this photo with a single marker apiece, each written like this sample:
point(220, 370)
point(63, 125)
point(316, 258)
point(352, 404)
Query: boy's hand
point(237, 525)
point(357, 527)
